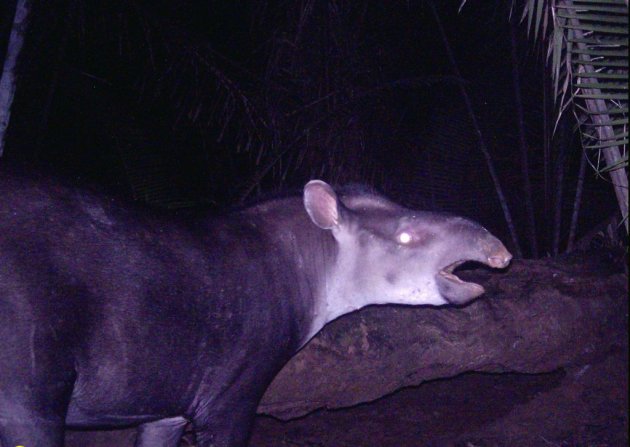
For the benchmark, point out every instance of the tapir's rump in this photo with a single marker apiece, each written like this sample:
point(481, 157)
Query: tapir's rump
point(114, 314)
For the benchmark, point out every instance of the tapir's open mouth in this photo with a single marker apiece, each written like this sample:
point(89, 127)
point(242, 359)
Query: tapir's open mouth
point(453, 289)
point(456, 291)
point(447, 271)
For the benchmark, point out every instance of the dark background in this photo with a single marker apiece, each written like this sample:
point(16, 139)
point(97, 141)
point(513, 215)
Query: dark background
point(212, 103)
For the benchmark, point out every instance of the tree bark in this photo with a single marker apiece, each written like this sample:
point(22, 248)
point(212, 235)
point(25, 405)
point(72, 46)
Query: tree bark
point(9, 77)
point(576, 203)
point(547, 162)
point(561, 142)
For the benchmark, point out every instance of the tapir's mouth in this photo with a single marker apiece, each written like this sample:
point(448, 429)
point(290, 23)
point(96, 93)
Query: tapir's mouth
point(454, 289)
point(447, 271)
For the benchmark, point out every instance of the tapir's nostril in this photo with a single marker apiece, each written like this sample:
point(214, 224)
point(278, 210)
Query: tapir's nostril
point(501, 260)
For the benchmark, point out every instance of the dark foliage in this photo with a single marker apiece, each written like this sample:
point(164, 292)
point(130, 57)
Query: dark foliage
point(178, 103)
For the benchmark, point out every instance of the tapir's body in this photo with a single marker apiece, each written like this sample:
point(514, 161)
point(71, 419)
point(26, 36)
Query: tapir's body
point(112, 314)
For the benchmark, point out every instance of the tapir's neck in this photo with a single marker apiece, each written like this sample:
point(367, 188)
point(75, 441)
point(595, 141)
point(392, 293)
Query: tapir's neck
point(337, 293)
point(313, 253)
point(325, 313)
point(325, 269)
point(321, 269)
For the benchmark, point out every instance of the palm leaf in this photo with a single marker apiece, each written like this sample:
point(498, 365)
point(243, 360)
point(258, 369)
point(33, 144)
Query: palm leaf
point(588, 51)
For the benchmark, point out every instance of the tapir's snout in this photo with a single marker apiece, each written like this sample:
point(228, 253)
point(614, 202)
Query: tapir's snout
point(498, 256)
point(500, 259)
point(490, 251)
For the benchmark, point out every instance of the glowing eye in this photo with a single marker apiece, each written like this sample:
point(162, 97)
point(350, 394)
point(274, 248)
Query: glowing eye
point(404, 238)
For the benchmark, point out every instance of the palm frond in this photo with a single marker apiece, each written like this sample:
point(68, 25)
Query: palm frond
point(588, 51)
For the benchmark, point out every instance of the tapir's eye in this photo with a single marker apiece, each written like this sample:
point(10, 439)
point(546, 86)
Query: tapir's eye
point(404, 238)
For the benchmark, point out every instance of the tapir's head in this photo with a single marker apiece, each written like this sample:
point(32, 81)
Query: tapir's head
point(390, 254)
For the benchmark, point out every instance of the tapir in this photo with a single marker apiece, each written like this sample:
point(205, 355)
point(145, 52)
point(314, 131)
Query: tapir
point(114, 314)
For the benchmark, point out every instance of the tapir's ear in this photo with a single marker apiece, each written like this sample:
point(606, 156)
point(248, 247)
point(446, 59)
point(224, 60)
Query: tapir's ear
point(321, 204)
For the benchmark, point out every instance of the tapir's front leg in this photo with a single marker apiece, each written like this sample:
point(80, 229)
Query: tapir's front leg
point(230, 428)
point(36, 431)
point(162, 433)
point(33, 414)
point(36, 381)
point(224, 417)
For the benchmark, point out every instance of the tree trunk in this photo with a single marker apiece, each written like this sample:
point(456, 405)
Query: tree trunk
point(547, 162)
point(562, 142)
point(9, 77)
point(576, 203)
